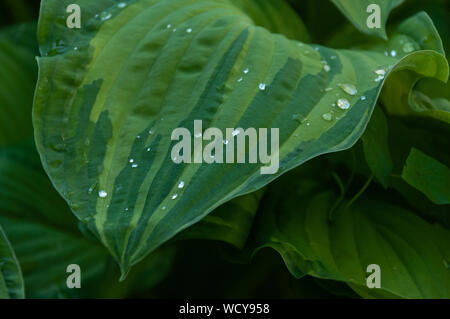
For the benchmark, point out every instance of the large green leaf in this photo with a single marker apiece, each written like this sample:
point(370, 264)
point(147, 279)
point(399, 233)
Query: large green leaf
point(11, 281)
point(46, 238)
point(112, 92)
point(313, 240)
point(357, 12)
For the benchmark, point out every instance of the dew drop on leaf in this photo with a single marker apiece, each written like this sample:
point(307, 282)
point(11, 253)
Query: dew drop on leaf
point(348, 88)
point(105, 16)
point(102, 194)
point(343, 104)
point(327, 117)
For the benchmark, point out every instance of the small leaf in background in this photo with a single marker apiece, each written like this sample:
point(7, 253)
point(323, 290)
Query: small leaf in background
point(429, 176)
point(11, 281)
point(356, 12)
point(376, 148)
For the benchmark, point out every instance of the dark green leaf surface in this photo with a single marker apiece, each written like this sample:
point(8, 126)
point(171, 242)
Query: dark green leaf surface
point(105, 99)
point(11, 281)
point(18, 78)
point(428, 175)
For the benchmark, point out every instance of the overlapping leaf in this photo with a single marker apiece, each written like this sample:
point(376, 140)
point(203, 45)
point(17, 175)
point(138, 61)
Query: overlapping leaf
point(109, 96)
point(315, 240)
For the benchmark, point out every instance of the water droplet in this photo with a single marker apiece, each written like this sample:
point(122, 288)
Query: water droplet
point(121, 5)
point(169, 26)
point(131, 160)
point(174, 30)
point(126, 209)
point(298, 118)
point(138, 137)
point(327, 117)
point(363, 98)
point(246, 71)
point(90, 190)
point(181, 184)
point(189, 30)
point(149, 149)
point(151, 132)
point(164, 208)
point(408, 47)
point(393, 53)
point(235, 132)
point(105, 16)
point(316, 48)
point(174, 196)
point(102, 194)
point(348, 88)
point(379, 78)
point(75, 48)
point(240, 79)
point(333, 57)
point(134, 165)
point(225, 141)
point(343, 104)
point(327, 68)
point(380, 71)
point(308, 124)
point(262, 86)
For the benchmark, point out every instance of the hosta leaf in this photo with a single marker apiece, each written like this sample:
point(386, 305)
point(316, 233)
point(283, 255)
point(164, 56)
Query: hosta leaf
point(428, 175)
point(110, 94)
point(399, 96)
point(230, 223)
point(11, 281)
point(46, 238)
point(357, 12)
point(413, 254)
point(17, 80)
point(376, 148)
